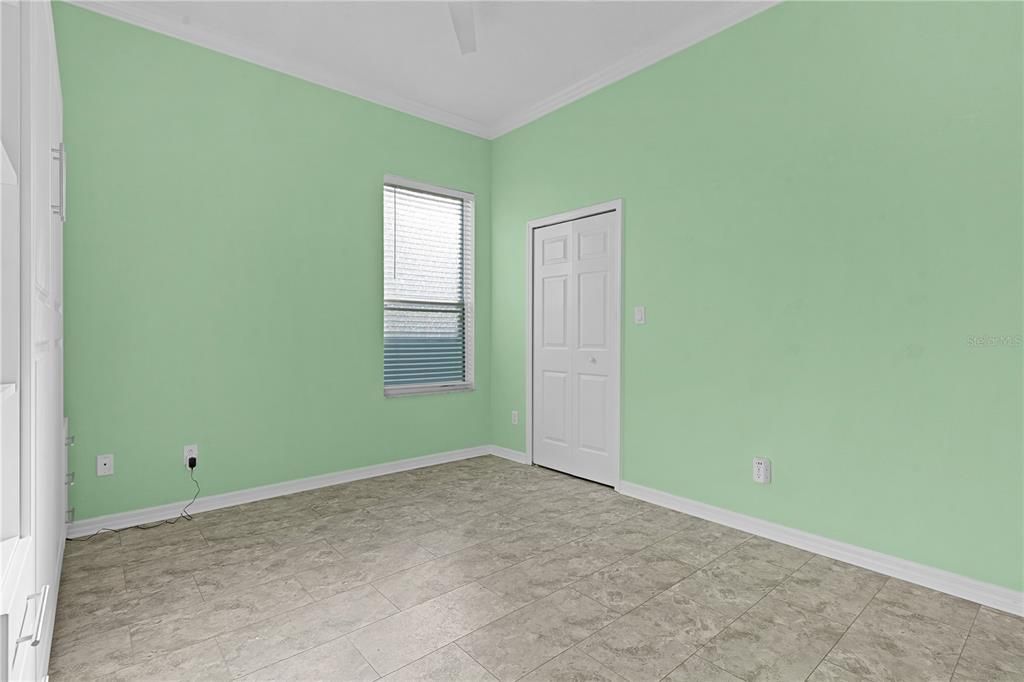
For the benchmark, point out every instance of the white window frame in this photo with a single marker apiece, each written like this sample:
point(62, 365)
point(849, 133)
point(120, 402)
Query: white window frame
point(468, 259)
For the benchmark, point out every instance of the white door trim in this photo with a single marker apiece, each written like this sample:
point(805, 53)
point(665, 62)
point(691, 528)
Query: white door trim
point(606, 207)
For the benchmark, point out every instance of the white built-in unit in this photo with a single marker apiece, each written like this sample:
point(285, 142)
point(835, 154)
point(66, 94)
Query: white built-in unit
point(32, 429)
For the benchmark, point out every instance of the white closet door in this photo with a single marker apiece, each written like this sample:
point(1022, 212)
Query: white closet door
point(552, 341)
point(576, 322)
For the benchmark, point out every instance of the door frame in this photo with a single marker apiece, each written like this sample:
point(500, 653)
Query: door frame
point(613, 206)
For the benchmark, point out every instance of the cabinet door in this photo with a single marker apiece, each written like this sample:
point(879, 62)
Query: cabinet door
point(47, 414)
point(19, 602)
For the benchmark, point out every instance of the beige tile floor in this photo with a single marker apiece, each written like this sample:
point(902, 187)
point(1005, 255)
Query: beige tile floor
point(485, 569)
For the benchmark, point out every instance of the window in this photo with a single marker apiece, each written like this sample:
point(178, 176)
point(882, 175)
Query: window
point(428, 288)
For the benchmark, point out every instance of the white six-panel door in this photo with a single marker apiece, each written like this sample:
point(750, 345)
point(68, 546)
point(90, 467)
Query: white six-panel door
point(575, 346)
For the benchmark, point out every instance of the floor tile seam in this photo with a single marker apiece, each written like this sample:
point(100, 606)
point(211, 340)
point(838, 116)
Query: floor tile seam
point(471, 581)
point(291, 611)
point(712, 664)
point(223, 658)
point(963, 647)
point(931, 619)
point(589, 657)
point(802, 608)
point(265, 580)
point(743, 613)
point(355, 557)
point(504, 615)
point(291, 656)
point(471, 657)
point(204, 602)
point(620, 616)
point(846, 630)
point(548, 660)
point(385, 597)
point(400, 612)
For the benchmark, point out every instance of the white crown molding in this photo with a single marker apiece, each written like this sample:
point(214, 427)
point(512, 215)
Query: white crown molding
point(218, 42)
point(725, 15)
point(211, 502)
point(995, 596)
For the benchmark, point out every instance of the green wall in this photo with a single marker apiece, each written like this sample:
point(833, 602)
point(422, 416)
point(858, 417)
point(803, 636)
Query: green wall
point(822, 206)
point(823, 214)
point(223, 270)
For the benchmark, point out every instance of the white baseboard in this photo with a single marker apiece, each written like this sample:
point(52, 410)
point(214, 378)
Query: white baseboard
point(210, 502)
point(995, 596)
point(514, 455)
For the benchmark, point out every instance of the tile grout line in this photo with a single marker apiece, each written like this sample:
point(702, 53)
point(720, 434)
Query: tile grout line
point(963, 647)
point(385, 597)
point(847, 629)
point(457, 646)
point(619, 616)
point(484, 485)
point(744, 612)
point(696, 653)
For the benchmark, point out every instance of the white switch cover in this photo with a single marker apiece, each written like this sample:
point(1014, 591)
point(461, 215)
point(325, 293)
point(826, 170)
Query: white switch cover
point(762, 470)
point(640, 314)
point(515, 417)
point(104, 465)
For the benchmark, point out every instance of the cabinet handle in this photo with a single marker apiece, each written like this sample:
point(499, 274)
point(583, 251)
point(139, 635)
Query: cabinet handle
point(37, 634)
point(41, 620)
point(59, 154)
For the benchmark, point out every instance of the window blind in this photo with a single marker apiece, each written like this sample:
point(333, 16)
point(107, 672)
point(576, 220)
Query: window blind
point(427, 290)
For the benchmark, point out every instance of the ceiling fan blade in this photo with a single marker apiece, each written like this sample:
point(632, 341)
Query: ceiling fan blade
point(464, 22)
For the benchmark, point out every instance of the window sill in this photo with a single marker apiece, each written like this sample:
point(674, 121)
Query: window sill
point(425, 389)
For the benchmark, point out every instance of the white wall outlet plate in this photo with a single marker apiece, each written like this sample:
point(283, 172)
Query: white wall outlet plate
point(104, 465)
point(191, 451)
point(762, 470)
point(515, 417)
point(640, 314)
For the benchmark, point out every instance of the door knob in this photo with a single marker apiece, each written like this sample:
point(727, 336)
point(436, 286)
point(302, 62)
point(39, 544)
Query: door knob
point(593, 360)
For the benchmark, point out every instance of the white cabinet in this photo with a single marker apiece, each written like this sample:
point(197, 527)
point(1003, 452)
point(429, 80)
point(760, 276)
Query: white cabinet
point(32, 456)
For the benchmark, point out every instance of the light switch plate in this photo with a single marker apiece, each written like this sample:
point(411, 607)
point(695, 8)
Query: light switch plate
point(640, 314)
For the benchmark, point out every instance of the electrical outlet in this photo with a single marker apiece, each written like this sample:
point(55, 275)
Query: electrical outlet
point(191, 451)
point(762, 470)
point(515, 417)
point(104, 465)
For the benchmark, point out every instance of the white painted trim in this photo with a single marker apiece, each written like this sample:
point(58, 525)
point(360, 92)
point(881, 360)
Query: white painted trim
point(211, 502)
point(994, 596)
point(725, 15)
point(52, 620)
point(7, 174)
point(604, 207)
point(507, 453)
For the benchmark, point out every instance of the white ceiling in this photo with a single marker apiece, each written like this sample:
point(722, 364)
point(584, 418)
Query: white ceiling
point(531, 58)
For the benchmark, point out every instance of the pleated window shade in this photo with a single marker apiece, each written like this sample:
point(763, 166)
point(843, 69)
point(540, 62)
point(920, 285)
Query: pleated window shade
point(428, 289)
